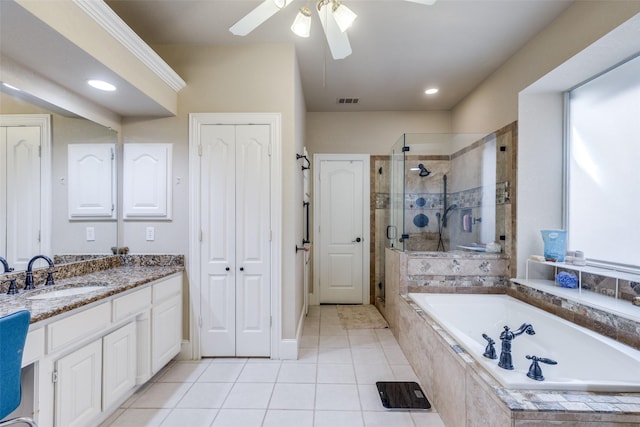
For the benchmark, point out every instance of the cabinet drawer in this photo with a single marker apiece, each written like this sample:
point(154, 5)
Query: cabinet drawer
point(167, 288)
point(133, 303)
point(33, 347)
point(76, 327)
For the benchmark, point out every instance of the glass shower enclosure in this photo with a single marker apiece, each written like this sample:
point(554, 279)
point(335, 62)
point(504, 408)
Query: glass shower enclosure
point(443, 194)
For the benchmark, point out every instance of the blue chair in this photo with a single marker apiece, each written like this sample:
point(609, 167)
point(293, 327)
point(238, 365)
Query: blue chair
point(13, 334)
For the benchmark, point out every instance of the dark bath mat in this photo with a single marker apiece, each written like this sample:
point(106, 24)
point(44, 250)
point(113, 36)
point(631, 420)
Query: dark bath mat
point(402, 395)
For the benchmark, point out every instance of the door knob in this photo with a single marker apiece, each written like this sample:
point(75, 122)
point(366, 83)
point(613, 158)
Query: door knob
point(358, 240)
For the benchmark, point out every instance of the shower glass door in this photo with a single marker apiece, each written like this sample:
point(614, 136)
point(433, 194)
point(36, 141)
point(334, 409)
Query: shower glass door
point(395, 229)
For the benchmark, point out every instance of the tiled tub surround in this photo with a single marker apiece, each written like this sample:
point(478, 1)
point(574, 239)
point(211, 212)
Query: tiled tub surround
point(115, 274)
point(467, 395)
point(467, 317)
point(455, 271)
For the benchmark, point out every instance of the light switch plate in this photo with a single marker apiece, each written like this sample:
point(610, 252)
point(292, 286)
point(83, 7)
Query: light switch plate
point(91, 234)
point(151, 234)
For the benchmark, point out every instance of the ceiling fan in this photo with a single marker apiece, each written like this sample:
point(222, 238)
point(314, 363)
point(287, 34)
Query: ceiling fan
point(335, 19)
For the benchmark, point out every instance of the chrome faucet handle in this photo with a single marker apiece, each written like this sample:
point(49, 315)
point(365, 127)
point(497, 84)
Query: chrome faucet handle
point(13, 289)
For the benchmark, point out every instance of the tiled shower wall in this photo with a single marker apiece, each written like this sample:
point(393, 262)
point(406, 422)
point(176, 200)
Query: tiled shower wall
point(423, 198)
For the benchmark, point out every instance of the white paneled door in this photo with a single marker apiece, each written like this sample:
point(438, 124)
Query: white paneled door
point(20, 193)
point(343, 238)
point(235, 248)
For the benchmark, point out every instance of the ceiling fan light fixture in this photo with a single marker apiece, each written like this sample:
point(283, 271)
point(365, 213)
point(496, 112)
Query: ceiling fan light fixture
point(302, 24)
point(343, 15)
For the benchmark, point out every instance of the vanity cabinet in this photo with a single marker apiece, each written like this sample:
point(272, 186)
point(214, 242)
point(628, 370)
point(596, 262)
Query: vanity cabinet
point(78, 379)
point(118, 364)
point(166, 325)
point(90, 361)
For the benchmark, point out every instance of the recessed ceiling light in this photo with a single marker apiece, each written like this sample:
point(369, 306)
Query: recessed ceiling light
point(431, 91)
point(10, 86)
point(102, 85)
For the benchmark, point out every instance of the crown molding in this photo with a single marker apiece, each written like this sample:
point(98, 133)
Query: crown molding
point(100, 12)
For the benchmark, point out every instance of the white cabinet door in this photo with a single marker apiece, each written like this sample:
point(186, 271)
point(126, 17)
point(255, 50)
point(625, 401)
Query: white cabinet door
point(166, 331)
point(91, 181)
point(236, 246)
point(118, 364)
point(147, 181)
point(78, 387)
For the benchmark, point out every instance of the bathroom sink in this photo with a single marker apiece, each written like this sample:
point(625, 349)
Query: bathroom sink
point(66, 292)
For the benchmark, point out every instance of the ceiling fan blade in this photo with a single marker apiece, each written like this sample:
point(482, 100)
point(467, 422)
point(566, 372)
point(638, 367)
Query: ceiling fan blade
point(257, 16)
point(427, 2)
point(337, 40)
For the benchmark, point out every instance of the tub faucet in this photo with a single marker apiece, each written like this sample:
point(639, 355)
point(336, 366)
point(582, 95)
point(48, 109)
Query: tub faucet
point(5, 264)
point(28, 283)
point(506, 337)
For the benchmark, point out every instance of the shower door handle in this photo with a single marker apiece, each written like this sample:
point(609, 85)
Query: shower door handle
point(358, 240)
point(391, 232)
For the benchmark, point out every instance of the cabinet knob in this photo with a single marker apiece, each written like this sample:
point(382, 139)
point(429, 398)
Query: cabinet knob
point(241, 268)
point(227, 269)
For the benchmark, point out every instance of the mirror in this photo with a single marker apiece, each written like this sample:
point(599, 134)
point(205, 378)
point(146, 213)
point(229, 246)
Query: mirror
point(50, 230)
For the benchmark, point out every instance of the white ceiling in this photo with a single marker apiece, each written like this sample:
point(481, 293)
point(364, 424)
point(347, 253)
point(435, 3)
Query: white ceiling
point(400, 48)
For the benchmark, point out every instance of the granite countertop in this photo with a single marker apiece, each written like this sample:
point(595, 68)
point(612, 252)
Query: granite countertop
point(111, 281)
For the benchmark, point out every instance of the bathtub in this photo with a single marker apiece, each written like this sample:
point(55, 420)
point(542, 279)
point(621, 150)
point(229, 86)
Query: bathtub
point(586, 360)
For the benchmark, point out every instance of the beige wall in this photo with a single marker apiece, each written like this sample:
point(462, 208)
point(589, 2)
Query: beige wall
point(583, 41)
point(369, 132)
point(494, 103)
point(256, 78)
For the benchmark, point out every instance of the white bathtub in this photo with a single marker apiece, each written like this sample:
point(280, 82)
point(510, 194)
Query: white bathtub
point(586, 360)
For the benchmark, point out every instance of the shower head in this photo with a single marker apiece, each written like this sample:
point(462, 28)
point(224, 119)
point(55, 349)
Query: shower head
point(423, 171)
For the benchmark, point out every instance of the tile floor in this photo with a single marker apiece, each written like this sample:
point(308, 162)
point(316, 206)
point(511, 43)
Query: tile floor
point(331, 384)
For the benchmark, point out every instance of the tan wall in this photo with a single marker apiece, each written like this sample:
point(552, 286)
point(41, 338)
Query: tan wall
point(494, 103)
point(369, 132)
point(256, 78)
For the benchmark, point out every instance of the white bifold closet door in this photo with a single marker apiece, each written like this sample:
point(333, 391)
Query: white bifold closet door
point(235, 240)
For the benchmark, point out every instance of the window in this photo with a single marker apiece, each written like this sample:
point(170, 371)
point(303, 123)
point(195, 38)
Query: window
point(603, 166)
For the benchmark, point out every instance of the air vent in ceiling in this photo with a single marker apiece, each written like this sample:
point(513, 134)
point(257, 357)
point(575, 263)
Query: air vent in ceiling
point(347, 100)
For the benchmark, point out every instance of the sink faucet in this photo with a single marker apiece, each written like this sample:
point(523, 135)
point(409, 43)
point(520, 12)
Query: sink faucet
point(5, 264)
point(507, 336)
point(28, 283)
